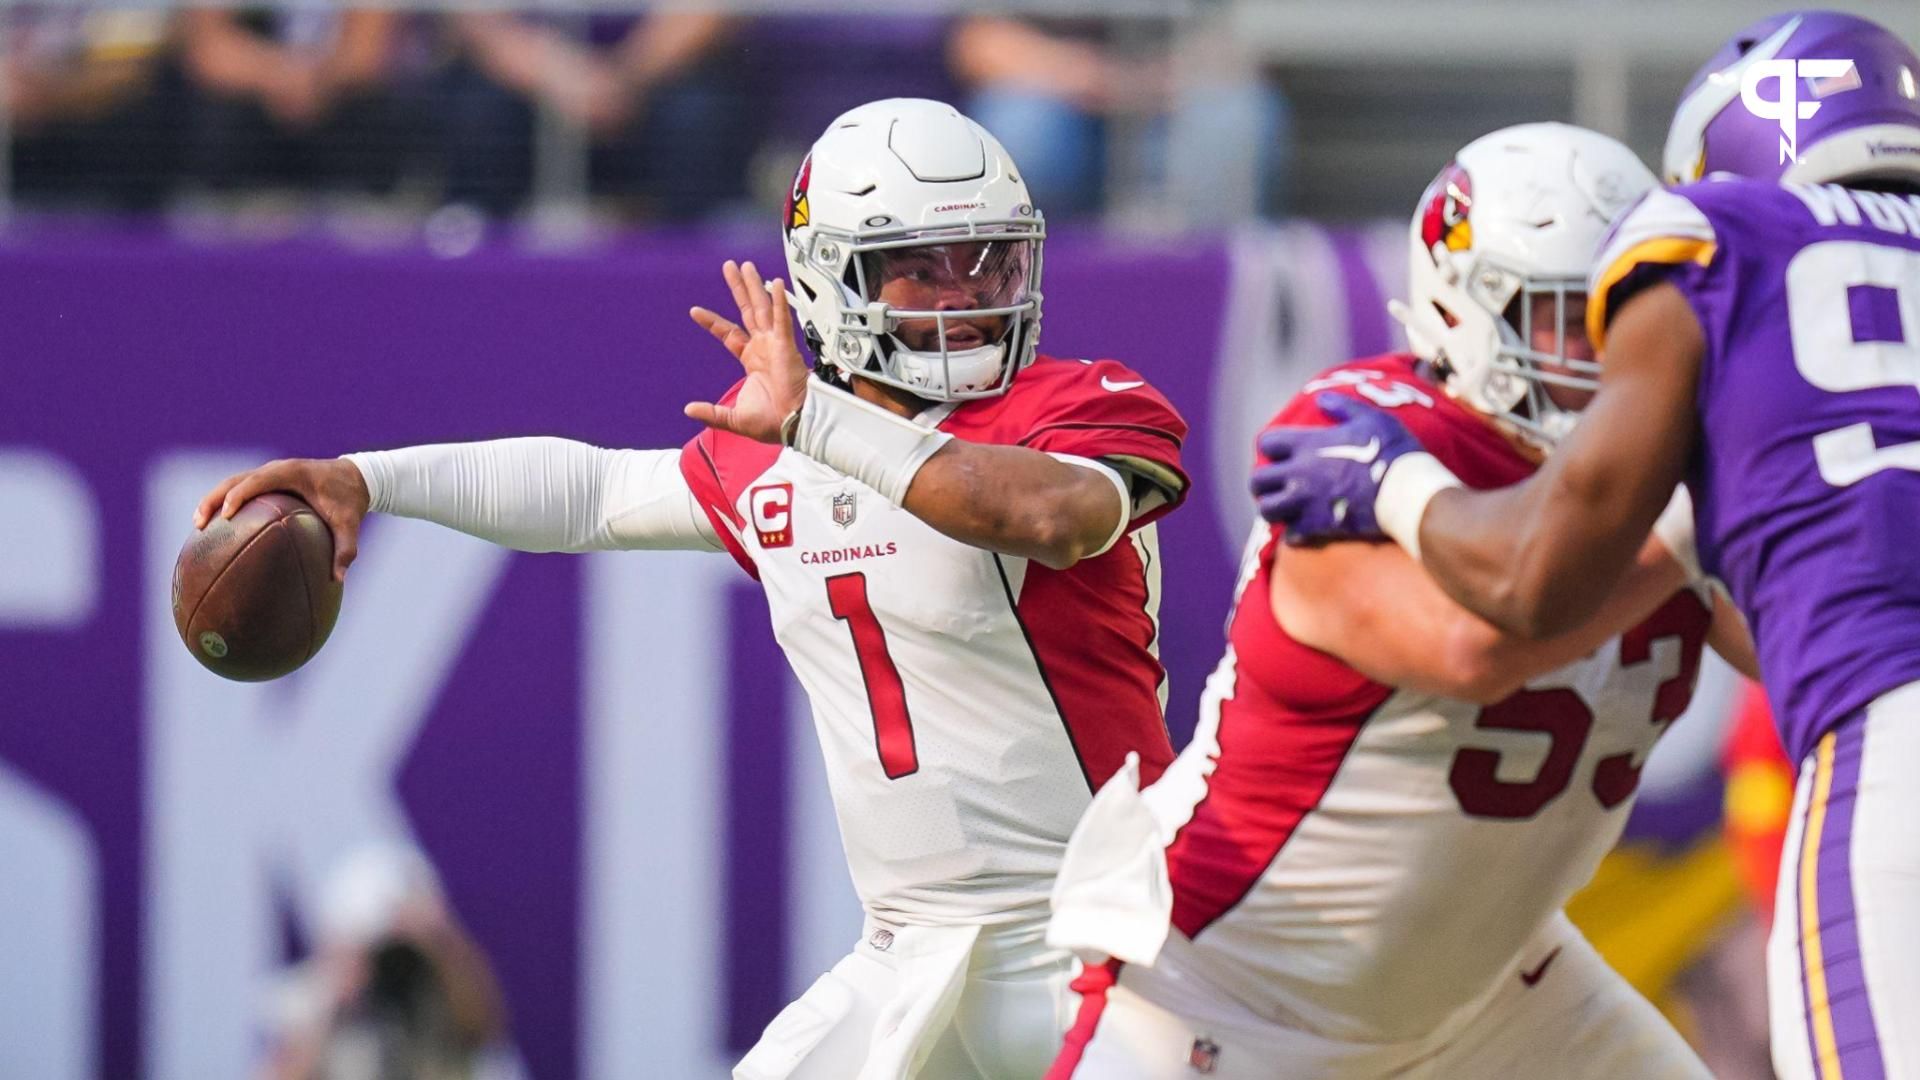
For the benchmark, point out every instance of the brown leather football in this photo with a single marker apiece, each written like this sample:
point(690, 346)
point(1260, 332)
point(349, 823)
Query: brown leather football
point(253, 595)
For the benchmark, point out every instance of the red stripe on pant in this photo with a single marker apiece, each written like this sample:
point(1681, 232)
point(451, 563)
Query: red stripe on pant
point(1092, 986)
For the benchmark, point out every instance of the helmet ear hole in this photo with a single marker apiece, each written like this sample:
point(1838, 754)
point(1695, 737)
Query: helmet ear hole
point(1449, 317)
point(806, 288)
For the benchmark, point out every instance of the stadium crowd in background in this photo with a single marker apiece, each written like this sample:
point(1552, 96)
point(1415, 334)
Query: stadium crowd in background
point(658, 116)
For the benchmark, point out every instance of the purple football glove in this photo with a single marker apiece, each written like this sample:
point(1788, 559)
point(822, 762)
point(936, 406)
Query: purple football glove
point(1322, 481)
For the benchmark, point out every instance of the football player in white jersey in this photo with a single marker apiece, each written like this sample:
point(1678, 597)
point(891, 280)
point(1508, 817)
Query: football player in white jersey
point(955, 537)
point(1357, 868)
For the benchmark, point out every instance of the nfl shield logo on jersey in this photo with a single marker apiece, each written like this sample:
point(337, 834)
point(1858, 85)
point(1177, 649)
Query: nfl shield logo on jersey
point(1204, 1056)
point(843, 509)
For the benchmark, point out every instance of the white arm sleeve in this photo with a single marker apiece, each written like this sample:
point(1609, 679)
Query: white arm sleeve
point(542, 494)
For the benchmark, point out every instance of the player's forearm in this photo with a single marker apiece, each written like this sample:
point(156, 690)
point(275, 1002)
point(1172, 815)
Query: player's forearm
point(1009, 499)
point(1541, 557)
point(1379, 611)
point(541, 494)
point(1508, 661)
point(1018, 501)
point(1537, 559)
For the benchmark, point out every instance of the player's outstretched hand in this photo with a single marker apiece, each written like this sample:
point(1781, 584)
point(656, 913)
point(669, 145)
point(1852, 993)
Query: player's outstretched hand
point(1322, 482)
point(763, 341)
point(332, 486)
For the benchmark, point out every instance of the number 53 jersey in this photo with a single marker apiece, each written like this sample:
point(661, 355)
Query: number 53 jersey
point(967, 702)
point(1806, 469)
point(1367, 862)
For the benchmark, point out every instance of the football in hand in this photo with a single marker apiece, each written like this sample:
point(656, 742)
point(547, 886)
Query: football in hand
point(253, 595)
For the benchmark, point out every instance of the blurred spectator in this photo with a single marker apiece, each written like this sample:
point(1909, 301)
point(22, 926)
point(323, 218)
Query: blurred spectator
point(394, 989)
point(661, 112)
point(1052, 90)
point(297, 96)
point(90, 96)
point(850, 59)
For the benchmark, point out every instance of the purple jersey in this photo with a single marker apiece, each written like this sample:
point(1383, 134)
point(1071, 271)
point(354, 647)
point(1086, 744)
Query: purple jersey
point(1806, 472)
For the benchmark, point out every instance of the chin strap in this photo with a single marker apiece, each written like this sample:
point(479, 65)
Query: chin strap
point(945, 362)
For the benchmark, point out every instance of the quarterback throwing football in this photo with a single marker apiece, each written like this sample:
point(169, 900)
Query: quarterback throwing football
point(955, 537)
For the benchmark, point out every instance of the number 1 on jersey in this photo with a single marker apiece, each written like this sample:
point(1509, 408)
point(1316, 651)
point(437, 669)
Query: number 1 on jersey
point(886, 695)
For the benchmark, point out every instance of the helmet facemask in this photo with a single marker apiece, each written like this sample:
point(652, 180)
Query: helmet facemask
point(1536, 382)
point(1500, 245)
point(945, 313)
point(1510, 345)
point(914, 252)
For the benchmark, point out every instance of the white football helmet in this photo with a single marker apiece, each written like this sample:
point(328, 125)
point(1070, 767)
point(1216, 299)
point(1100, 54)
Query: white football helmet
point(1517, 215)
point(910, 198)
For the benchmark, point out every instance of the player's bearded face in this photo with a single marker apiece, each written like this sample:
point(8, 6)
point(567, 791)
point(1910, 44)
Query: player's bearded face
point(951, 277)
point(1561, 331)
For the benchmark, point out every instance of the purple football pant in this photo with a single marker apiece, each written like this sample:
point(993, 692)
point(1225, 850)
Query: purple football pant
point(1844, 959)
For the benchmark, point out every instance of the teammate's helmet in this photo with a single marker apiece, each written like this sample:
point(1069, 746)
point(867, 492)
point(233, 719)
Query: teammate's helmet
point(1855, 117)
point(1512, 223)
point(910, 191)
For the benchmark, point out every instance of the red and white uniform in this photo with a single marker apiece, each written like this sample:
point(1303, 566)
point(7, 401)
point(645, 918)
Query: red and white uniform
point(968, 702)
point(1368, 881)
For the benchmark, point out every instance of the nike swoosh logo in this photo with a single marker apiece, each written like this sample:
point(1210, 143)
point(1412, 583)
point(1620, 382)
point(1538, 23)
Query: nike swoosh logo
point(1116, 387)
point(1361, 454)
point(1534, 976)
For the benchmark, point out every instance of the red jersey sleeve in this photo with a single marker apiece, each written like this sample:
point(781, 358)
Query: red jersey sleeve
point(1313, 688)
point(718, 467)
point(1099, 409)
point(1464, 441)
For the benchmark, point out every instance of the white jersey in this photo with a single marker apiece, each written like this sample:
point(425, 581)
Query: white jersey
point(1367, 862)
point(967, 702)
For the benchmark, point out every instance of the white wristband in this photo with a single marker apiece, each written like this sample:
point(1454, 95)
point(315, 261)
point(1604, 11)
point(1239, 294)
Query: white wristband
point(1674, 530)
point(1410, 484)
point(862, 440)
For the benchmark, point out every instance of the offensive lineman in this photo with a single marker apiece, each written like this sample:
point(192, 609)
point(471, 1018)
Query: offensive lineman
point(1357, 869)
point(955, 537)
point(1763, 341)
